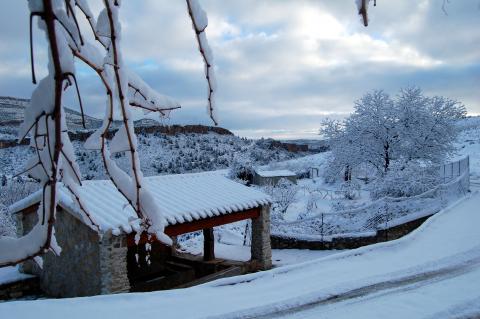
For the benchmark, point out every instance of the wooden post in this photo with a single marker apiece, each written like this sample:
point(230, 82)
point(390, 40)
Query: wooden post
point(208, 244)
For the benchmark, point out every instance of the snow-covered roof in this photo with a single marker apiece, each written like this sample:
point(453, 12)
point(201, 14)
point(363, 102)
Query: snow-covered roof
point(181, 198)
point(277, 173)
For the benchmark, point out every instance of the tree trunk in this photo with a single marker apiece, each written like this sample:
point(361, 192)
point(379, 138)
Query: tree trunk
point(347, 174)
point(386, 158)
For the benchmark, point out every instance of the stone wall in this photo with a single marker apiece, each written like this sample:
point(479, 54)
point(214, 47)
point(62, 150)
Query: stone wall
point(262, 181)
point(279, 242)
point(261, 249)
point(113, 264)
point(20, 289)
point(76, 271)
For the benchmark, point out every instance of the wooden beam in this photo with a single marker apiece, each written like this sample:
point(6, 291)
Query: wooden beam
point(196, 225)
point(208, 244)
point(28, 210)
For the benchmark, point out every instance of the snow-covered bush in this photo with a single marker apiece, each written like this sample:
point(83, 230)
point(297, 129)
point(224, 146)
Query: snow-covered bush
point(405, 179)
point(242, 169)
point(283, 195)
point(312, 200)
point(7, 224)
point(350, 189)
point(16, 189)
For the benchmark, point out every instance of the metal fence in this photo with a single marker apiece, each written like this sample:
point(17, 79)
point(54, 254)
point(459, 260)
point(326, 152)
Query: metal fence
point(455, 169)
point(383, 213)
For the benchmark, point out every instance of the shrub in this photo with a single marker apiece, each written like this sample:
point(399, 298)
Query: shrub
point(7, 224)
point(283, 195)
point(242, 170)
point(405, 179)
point(350, 190)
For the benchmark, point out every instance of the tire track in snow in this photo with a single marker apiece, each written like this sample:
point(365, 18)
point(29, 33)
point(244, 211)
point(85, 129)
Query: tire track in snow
point(402, 284)
point(328, 309)
point(463, 263)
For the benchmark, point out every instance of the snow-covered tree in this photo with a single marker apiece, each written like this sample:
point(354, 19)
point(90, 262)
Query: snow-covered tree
point(382, 129)
point(427, 125)
point(369, 135)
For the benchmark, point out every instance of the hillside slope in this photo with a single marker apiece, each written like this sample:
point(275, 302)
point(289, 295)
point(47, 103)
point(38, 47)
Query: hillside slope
point(12, 111)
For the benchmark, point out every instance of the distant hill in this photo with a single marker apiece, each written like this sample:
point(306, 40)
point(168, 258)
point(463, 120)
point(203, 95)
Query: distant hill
point(12, 111)
point(316, 145)
point(163, 149)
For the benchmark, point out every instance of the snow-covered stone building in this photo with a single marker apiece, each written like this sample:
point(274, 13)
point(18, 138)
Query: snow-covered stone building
point(273, 177)
point(105, 257)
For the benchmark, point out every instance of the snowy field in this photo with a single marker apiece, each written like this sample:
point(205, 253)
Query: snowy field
point(438, 263)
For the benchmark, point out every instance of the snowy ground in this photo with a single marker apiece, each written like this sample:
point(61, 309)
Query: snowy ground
point(325, 197)
point(229, 245)
point(438, 263)
point(430, 298)
point(280, 257)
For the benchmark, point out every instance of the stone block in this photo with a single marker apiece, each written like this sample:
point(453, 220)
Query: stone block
point(261, 250)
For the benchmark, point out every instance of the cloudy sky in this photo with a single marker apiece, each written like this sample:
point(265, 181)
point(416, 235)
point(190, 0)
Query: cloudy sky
point(282, 65)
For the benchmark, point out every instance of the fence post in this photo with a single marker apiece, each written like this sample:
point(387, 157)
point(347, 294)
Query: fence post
point(386, 221)
point(245, 236)
point(321, 229)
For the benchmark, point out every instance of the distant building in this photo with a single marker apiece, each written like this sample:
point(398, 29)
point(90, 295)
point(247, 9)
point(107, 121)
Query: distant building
point(107, 256)
point(262, 178)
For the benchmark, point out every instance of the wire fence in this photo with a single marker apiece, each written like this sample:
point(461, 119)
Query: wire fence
point(383, 213)
point(455, 169)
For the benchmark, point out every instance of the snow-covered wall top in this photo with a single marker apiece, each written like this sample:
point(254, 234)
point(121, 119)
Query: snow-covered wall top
point(276, 173)
point(182, 198)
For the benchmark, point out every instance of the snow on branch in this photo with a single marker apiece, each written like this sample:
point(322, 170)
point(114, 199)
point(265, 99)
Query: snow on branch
point(144, 97)
point(54, 164)
point(199, 23)
point(122, 88)
point(54, 161)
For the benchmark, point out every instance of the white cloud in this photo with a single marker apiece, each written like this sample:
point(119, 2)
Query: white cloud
point(281, 65)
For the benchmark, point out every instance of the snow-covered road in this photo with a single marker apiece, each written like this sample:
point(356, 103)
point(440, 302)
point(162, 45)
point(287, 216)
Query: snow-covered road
point(435, 296)
point(433, 269)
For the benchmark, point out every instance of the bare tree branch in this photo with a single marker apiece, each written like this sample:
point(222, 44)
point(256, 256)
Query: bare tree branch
point(203, 48)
